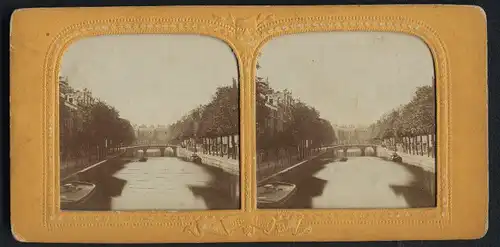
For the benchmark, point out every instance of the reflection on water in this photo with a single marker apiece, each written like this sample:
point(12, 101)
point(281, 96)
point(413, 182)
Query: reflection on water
point(160, 183)
point(107, 186)
point(308, 186)
point(360, 182)
point(413, 192)
point(212, 192)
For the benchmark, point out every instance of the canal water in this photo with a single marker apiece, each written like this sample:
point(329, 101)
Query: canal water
point(360, 182)
point(160, 183)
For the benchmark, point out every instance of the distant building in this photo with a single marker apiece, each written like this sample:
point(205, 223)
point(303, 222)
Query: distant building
point(162, 134)
point(144, 135)
point(151, 134)
point(350, 134)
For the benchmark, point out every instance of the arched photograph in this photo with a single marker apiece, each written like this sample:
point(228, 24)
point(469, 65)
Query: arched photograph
point(149, 122)
point(346, 120)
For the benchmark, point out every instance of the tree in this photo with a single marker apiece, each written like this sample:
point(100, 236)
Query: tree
point(325, 134)
point(206, 127)
point(262, 112)
point(304, 120)
point(68, 138)
point(424, 117)
point(93, 124)
point(125, 133)
point(217, 118)
point(103, 122)
point(414, 118)
point(226, 112)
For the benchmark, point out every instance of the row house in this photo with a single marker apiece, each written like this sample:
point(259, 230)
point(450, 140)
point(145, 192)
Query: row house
point(79, 98)
point(278, 102)
point(70, 103)
point(84, 97)
point(68, 109)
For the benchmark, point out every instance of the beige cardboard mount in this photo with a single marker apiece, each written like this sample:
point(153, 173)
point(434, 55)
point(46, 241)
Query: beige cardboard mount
point(456, 36)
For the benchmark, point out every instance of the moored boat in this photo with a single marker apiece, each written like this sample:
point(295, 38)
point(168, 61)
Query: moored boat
point(75, 193)
point(196, 158)
point(396, 158)
point(274, 194)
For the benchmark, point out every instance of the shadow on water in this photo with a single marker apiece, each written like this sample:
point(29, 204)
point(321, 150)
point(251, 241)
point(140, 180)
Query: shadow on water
point(415, 193)
point(216, 193)
point(107, 186)
point(308, 186)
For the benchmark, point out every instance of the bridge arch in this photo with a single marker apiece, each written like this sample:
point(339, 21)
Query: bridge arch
point(364, 149)
point(168, 151)
point(143, 150)
point(371, 151)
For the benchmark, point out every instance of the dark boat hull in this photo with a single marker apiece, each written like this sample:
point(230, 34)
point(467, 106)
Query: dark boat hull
point(279, 202)
point(77, 204)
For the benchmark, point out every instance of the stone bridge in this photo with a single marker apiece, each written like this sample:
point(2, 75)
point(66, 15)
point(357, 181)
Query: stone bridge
point(132, 150)
point(344, 147)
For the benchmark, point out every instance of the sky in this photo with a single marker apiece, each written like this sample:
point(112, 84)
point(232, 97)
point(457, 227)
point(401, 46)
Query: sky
point(150, 79)
point(349, 77)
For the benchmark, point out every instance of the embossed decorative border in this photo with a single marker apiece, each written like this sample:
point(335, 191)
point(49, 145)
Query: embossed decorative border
point(113, 27)
point(246, 36)
point(246, 31)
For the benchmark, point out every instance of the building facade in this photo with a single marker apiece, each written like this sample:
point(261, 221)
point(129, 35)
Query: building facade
point(279, 104)
point(350, 134)
point(84, 97)
point(153, 134)
point(70, 114)
point(75, 97)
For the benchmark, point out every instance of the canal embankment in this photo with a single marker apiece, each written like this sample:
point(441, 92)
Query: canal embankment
point(423, 168)
point(226, 169)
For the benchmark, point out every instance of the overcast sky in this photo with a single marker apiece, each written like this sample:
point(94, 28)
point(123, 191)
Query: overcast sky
point(150, 79)
point(350, 77)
